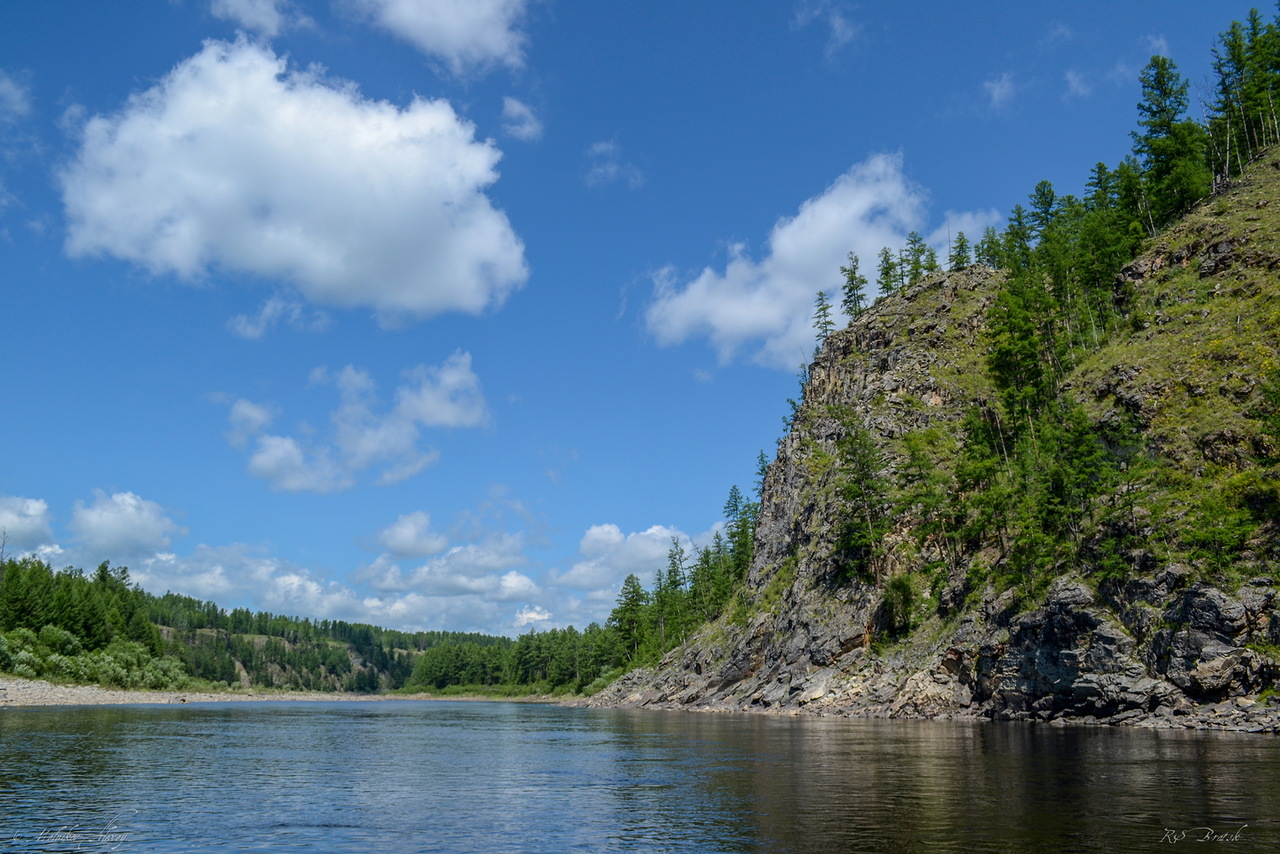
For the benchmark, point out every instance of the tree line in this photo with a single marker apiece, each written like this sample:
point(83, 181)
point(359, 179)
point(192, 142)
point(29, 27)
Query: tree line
point(100, 627)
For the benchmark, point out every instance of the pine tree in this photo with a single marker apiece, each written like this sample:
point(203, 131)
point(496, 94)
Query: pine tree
point(1015, 243)
point(958, 258)
point(887, 272)
point(916, 257)
point(1044, 203)
point(988, 249)
point(630, 616)
point(1170, 149)
point(864, 491)
point(855, 289)
point(762, 470)
point(822, 321)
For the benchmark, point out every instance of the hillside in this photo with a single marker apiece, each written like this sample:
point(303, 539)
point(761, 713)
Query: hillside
point(1121, 566)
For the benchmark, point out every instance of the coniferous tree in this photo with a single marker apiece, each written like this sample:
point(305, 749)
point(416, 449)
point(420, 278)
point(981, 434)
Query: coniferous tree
point(959, 258)
point(855, 289)
point(916, 258)
point(988, 249)
point(865, 493)
point(1015, 243)
point(630, 616)
point(887, 272)
point(1171, 149)
point(1044, 203)
point(822, 321)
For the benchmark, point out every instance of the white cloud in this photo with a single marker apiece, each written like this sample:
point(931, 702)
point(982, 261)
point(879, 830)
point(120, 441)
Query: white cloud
point(1077, 85)
point(519, 120)
point(972, 223)
point(15, 97)
point(609, 556)
point(485, 571)
point(275, 309)
point(209, 573)
point(769, 303)
point(24, 522)
point(1058, 34)
point(528, 615)
point(122, 525)
point(605, 165)
point(247, 420)
point(410, 536)
point(282, 461)
point(445, 396)
point(842, 31)
point(234, 163)
point(1158, 45)
point(267, 17)
point(466, 34)
point(999, 91)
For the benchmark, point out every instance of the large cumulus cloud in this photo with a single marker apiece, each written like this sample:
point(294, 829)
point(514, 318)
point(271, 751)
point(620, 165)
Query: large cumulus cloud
point(233, 162)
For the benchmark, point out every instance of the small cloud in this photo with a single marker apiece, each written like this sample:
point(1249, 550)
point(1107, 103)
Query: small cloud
point(265, 17)
point(469, 35)
point(15, 97)
point(447, 395)
point(276, 309)
point(24, 523)
point(609, 556)
point(247, 419)
point(841, 30)
point(529, 615)
point(999, 90)
point(1077, 85)
point(1158, 45)
point(605, 165)
point(122, 525)
point(519, 120)
point(1122, 73)
point(1059, 33)
point(410, 536)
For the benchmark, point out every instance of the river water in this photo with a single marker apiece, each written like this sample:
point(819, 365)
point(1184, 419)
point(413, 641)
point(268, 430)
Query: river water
point(503, 777)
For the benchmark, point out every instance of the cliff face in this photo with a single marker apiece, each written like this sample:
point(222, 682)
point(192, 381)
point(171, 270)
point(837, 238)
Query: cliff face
point(1163, 615)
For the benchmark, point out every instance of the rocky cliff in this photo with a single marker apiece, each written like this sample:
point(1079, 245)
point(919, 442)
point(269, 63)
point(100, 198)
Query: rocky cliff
point(1164, 613)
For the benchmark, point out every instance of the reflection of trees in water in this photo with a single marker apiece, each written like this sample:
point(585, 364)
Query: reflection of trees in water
point(826, 785)
point(629, 780)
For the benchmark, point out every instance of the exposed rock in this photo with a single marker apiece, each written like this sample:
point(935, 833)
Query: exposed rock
point(1152, 646)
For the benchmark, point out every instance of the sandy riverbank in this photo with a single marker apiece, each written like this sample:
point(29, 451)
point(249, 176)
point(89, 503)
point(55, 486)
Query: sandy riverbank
point(15, 691)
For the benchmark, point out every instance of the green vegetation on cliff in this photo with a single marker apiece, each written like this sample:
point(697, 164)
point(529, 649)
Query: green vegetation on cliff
point(1074, 410)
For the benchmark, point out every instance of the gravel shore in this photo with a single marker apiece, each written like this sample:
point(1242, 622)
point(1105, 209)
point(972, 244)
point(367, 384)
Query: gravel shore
point(15, 691)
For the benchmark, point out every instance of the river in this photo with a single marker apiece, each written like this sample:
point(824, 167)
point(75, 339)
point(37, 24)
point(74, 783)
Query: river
point(505, 777)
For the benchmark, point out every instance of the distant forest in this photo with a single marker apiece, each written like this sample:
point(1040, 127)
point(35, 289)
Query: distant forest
point(1026, 471)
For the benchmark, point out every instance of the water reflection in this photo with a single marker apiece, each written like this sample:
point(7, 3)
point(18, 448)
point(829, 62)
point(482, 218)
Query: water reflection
point(494, 777)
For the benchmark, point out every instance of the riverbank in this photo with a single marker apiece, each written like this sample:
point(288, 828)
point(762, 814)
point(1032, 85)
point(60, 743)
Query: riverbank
point(1249, 714)
point(16, 691)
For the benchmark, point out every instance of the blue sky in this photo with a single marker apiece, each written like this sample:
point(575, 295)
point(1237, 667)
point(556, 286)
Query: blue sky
point(449, 314)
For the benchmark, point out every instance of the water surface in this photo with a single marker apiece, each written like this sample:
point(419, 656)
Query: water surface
point(503, 777)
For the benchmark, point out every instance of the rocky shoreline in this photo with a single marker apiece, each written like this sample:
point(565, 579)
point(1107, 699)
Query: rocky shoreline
point(15, 691)
point(1242, 714)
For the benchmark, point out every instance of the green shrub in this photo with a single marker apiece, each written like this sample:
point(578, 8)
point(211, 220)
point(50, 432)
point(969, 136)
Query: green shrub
point(20, 639)
point(899, 601)
point(25, 664)
point(59, 641)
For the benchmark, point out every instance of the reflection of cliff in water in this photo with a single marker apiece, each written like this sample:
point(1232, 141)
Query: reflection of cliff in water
point(479, 778)
point(826, 785)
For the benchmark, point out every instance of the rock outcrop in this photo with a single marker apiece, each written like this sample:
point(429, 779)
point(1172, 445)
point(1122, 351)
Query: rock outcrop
point(1155, 645)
